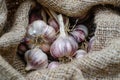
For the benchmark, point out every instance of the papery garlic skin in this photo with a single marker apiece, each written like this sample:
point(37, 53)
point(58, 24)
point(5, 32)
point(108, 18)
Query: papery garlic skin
point(64, 45)
point(80, 53)
point(53, 65)
point(36, 59)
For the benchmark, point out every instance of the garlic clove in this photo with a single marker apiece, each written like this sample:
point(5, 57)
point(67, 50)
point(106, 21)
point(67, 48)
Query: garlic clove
point(36, 59)
point(80, 53)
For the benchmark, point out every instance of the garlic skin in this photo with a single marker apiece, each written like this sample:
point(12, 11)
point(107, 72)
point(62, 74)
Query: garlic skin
point(64, 45)
point(80, 53)
point(36, 59)
point(90, 44)
point(54, 24)
point(79, 33)
point(53, 65)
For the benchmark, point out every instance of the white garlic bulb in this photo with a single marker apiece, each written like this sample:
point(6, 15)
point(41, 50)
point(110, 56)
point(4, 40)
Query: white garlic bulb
point(36, 28)
point(40, 29)
point(64, 45)
point(80, 53)
point(36, 59)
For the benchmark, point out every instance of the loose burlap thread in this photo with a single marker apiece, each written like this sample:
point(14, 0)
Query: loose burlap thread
point(102, 64)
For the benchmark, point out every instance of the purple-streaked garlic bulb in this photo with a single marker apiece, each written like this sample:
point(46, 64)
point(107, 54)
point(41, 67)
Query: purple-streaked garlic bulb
point(64, 45)
point(36, 59)
point(53, 65)
point(80, 53)
point(54, 24)
point(90, 44)
point(79, 33)
point(40, 28)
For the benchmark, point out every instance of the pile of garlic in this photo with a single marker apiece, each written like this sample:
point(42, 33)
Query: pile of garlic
point(53, 38)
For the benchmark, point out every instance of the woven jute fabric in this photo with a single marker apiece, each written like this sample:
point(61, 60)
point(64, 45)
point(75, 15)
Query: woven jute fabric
point(108, 27)
point(10, 40)
point(75, 8)
point(7, 72)
point(3, 14)
point(102, 63)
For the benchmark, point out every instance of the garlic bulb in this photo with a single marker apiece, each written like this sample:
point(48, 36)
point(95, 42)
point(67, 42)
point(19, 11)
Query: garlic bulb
point(41, 29)
point(54, 24)
point(79, 33)
point(36, 59)
point(53, 65)
point(64, 45)
point(36, 28)
point(90, 44)
point(80, 53)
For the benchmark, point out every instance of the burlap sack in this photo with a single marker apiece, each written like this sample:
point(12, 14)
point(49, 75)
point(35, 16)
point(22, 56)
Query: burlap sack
point(75, 8)
point(7, 72)
point(10, 40)
point(3, 14)
point(103, 63)
point(99, 64)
